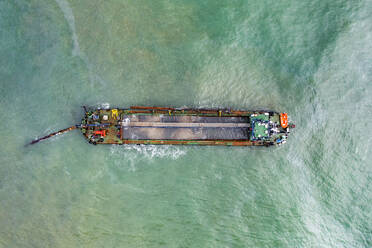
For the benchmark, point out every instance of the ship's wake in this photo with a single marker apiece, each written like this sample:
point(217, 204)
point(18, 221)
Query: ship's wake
point(137, 154)
point(76, 51)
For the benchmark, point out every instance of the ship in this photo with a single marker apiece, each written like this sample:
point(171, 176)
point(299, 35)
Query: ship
point(141, 125)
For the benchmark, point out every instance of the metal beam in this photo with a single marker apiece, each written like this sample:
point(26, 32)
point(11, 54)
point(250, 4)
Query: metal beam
point(182, 124)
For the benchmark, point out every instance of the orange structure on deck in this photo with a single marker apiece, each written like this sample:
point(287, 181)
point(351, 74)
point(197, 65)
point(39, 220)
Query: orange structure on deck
point(284, 120)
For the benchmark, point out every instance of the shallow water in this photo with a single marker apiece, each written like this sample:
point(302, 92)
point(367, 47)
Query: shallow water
point(312, 59)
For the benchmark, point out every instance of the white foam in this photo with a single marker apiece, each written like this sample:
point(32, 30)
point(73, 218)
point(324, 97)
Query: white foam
point(134, 155)
point(104, 105)
point(152, 151)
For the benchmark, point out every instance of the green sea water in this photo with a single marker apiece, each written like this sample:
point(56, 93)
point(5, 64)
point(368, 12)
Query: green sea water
point(312, 59)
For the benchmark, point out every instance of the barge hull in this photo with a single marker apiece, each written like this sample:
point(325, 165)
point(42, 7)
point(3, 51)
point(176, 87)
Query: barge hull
point(172, 126)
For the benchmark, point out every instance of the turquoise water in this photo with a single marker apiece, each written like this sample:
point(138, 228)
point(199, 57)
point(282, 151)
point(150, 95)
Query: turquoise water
point(312, 59)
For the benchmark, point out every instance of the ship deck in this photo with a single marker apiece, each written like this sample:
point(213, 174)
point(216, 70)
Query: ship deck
point(157, 125)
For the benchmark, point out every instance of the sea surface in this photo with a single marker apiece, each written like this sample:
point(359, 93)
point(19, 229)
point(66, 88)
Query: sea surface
point(310, 58)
